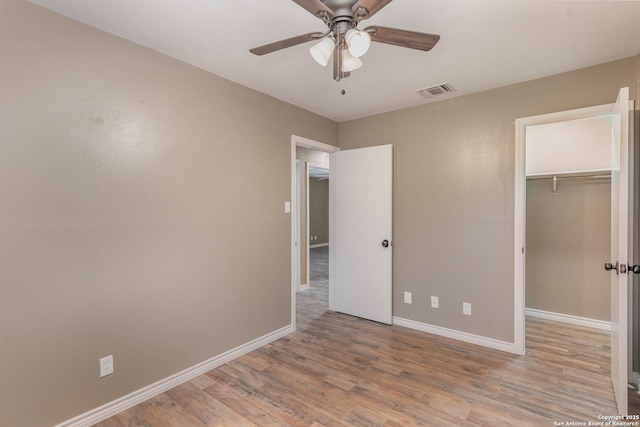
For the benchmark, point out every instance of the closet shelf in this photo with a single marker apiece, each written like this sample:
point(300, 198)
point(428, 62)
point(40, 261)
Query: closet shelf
point(595, 173)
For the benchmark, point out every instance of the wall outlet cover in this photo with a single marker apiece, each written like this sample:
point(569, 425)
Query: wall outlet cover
point(434, 302)
point(106, 366)
point(466, 308)
point(407, 297)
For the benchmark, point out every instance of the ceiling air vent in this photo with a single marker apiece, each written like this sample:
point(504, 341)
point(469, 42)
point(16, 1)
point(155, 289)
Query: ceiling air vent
point(437, 90)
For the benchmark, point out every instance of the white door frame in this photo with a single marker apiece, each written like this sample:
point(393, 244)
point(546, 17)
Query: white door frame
point(299, 141)
point(298, 226)
point(520, 211)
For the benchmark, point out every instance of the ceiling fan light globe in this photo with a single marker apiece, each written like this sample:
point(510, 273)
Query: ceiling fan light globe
point(322, 51)
point(350, 62)
point(358, 42)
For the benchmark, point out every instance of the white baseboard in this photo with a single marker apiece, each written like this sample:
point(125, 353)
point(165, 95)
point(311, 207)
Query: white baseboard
point(319, 245)
point(102, 413)
point(567, 318)
point(456, 335)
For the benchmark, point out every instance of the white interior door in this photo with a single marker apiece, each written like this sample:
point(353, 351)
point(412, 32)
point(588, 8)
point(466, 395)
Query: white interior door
point(360, 192)
point(619, 248)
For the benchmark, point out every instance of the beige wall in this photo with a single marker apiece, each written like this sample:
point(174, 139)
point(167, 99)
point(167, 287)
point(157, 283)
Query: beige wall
point(128, 201)
point(568, 241)
point(319, 210)
point(454, 192)
point(128, 215)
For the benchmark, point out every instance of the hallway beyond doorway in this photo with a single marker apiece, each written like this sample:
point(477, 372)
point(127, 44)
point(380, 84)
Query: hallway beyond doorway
point(314, 302)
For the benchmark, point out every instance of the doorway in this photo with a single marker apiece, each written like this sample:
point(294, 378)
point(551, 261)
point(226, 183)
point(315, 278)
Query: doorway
point(621, 226)
point(308, 159)
point(568, 221)
point(535, 168)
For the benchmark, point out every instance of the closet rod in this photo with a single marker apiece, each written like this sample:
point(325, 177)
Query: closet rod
point(600, 176)
point(573, 175)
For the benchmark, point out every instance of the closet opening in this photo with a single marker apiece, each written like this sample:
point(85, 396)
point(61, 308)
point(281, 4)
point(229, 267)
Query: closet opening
point(579, 148)
point(568, 221)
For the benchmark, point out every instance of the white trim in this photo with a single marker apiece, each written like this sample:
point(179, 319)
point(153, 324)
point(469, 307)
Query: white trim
point(306, 221)
point(319, 245)
point(295, 266)
point(295, 251)
point(315, 145)
point(519, 240)
point(332, 231)
point(520, 208)
point(115, 407)
point(299, 141)
point(295, 231)
point(456, 335)
point(634, 377)
point(568, 318)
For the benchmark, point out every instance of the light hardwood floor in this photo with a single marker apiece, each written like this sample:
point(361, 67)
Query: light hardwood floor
point(337, 370)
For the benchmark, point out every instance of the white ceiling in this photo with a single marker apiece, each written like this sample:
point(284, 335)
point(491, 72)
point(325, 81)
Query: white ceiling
point(484, 44)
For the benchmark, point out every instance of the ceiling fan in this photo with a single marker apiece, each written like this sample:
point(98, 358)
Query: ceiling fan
point(343, 36)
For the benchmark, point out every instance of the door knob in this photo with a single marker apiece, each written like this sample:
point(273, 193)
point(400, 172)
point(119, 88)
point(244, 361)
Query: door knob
point(634, 269)
point(385, 243)
point(608, 266)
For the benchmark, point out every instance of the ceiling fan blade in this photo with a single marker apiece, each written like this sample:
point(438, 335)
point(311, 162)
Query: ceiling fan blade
point(372, 7)
point(404, 38)
point(316, 7)
point(282, 44)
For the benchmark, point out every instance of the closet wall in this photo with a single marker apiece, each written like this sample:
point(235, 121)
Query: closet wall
point(568, 240)
point(568, 230)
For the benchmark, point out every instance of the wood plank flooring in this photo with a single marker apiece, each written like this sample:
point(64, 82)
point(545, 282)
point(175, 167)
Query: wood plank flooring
point(337, 370)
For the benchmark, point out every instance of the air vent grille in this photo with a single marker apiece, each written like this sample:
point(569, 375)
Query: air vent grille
point(437, 90)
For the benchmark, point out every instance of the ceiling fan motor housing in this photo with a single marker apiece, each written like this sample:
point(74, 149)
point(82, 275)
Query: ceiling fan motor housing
point(341, 7)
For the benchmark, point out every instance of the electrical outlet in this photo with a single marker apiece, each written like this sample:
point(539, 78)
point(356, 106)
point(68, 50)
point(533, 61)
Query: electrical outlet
point(466, 308)
point(407, 297)
point(434, 302)
point(106, 366)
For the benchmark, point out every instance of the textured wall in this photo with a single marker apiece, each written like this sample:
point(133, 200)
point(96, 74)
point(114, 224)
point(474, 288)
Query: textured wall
point(454, 192)
point(568, 241)
point(128, 215)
